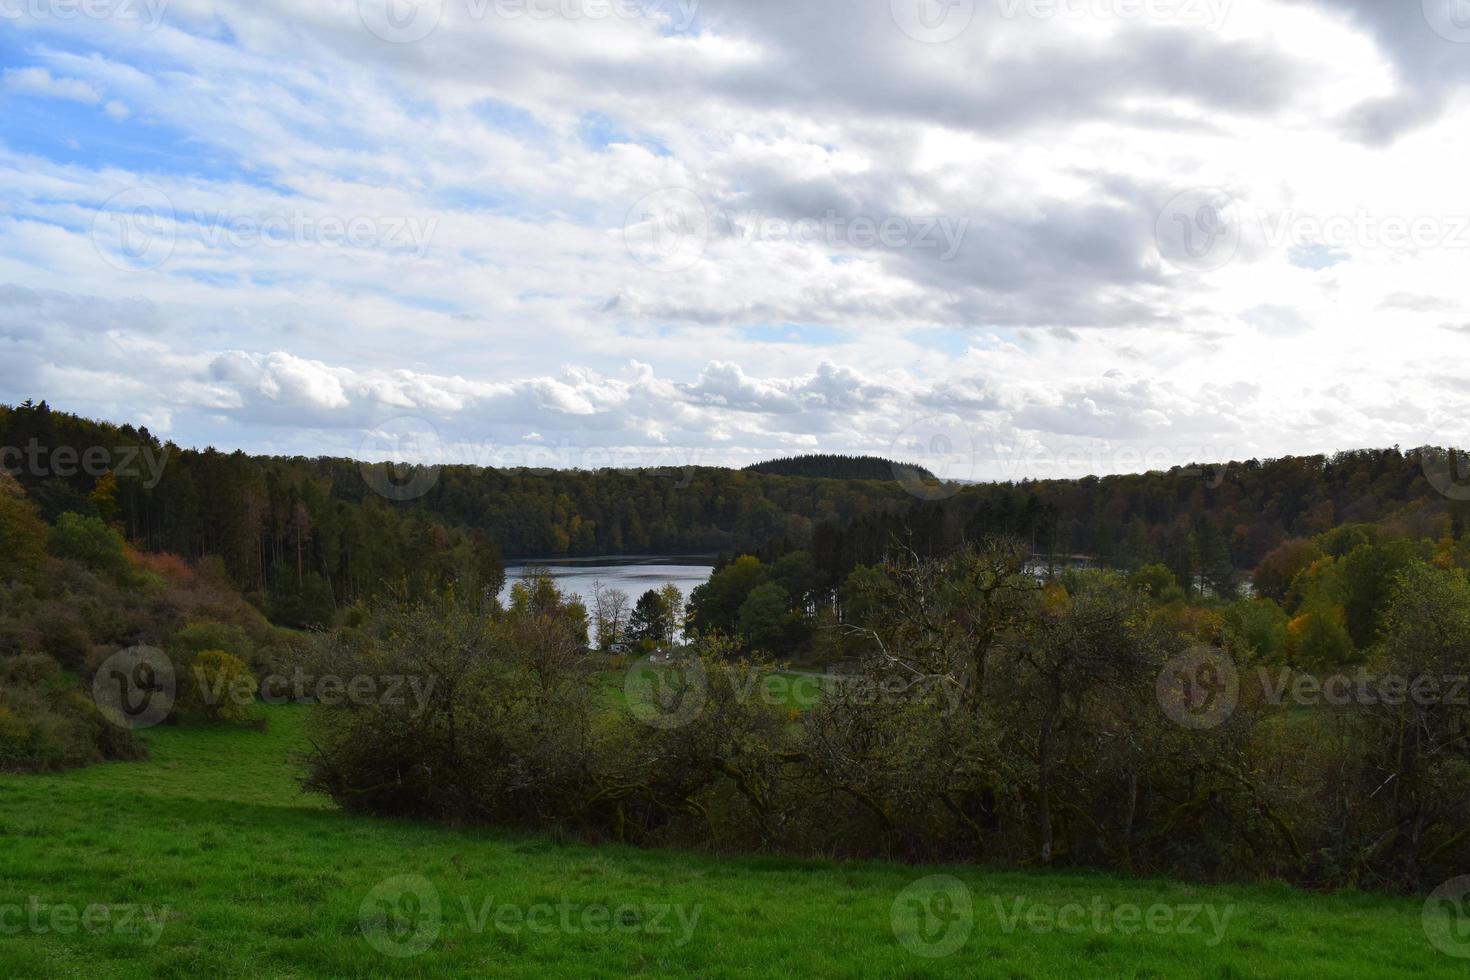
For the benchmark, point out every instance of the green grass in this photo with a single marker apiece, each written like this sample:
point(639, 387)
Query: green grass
point(262, 881)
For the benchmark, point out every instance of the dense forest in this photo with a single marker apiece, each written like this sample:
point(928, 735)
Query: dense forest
point(306, 535)
point(282, 529)
point(310, 534)
point(1317, 539)
point(1204, 524)
point(828, 466)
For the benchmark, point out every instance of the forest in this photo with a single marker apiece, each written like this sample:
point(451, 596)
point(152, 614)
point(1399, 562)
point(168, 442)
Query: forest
point(829, 466)
point(306, 536)
point(971, 621)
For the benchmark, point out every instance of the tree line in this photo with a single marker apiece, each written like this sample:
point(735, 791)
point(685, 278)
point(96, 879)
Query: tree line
point(308, 536)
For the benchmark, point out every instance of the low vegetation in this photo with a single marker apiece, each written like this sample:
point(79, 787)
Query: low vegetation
point(248, 877)
point(75, 593)
point(991, 717)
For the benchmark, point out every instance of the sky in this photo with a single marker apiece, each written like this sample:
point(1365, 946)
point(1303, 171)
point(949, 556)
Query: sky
point(1004, 238)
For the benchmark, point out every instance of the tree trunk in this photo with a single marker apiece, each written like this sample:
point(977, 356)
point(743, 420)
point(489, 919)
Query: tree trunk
point(1043, 791)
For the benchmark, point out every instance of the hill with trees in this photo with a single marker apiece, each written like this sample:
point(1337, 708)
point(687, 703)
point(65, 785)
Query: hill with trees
point(307, 535)
point(828, 466)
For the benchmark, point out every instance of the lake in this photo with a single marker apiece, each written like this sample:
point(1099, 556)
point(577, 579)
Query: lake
point(634, 574)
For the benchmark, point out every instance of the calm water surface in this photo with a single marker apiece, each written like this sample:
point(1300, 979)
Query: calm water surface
point(635, 575)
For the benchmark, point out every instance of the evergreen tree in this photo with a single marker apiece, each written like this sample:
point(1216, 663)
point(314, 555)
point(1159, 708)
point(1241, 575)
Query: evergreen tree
point(649, 623)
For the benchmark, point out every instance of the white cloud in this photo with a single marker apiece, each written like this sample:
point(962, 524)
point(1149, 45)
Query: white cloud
point(40, 82)
point(488, 171)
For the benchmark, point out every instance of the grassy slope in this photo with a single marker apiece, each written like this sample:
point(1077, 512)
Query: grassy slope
point(264, 882)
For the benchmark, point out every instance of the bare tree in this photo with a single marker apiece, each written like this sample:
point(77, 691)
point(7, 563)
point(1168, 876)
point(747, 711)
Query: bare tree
point(611, 610)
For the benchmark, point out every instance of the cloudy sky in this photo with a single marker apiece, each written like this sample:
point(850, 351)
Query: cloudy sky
point(1005, 237)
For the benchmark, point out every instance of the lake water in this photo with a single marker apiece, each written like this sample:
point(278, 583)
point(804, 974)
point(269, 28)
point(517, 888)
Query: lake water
point(635, 574)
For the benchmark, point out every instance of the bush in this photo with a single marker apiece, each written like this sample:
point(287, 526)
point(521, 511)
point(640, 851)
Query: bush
point(108, 612)
point(1319, 640)
point(63, 635)
point(1260, 625)
point(92, 543)
point(29, 670)
point(18, 630)
point(22, 533)
point(215, 686)
point(14, 741)
point(210, 634)
point(998, 719)
point(504, 703)
point(42, 730)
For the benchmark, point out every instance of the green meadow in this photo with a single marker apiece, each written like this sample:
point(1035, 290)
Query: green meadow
point(208, 861)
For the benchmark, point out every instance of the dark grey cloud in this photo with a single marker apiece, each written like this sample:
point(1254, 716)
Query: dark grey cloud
point(834, 54)
point(1428, 42)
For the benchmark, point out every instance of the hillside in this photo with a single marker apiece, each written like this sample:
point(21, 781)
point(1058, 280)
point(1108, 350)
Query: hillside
point(303, 532)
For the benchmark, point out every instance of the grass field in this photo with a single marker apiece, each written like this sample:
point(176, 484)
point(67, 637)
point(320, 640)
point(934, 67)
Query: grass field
point(208, 862)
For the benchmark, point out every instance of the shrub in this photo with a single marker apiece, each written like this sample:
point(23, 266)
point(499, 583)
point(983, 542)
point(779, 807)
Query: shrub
point(29, 670)
point(215, 686)
point(162, 565)
point(18, 630)
point(45, 731)
point(92, 543)
point(1018, 724)
point(14, 741)
point(1260, 625)
point(63, 635)
point(210, 634)
point(1319, 640)
point(1156, 582)
point(22, 533)
point(505, 706)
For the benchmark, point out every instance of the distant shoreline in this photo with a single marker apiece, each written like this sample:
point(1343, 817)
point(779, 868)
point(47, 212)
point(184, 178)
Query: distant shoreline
point(708, 558)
